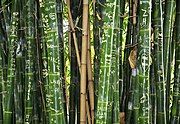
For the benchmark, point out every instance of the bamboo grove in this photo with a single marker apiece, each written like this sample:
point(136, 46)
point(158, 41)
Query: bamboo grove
point(89, 61)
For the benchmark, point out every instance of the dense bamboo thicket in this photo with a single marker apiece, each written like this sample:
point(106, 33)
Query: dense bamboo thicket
point(89, 61)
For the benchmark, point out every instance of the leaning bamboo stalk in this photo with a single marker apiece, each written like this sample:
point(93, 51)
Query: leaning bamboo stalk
point(74, 34)
point(84, 63)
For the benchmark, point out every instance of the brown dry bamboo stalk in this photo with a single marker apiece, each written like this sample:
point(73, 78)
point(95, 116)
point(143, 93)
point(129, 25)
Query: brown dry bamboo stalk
point(87, 111)
point(134, 11)
point(73, 33)
point(84, 63)
point(90, 78)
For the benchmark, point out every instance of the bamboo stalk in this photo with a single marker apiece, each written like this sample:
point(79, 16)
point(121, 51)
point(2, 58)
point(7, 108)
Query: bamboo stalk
point(90, 78)
point(1, 90)
point(167, 41)
point(74, 109)
point(29, 74)
point(126, 66)
point(74, 35)
point(84, 63)
point(97, 36)
point(144, 60)
point(59, 11)
point(55, 63)
point(87, 111)
point(158, 59)
point(9, 95)
point(121, 85)
point(175, 110)
point(39, 104)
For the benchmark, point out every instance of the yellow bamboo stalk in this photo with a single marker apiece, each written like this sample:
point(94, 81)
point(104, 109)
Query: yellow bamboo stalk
point(84, 63)
point(90, 78)
point(73, 33)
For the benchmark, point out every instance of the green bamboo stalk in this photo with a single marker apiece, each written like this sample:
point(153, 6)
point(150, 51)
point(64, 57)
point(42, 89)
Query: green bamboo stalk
point(159, 60)
point(167, 41)
point(55, 91)
point(132, 61)
point(40, 67)
point(175, 110)
point(107, 86)
point(126, 66)
point(9, 95)
point(1, 90)
point(29, 74)
point(1, 66)
point(121, 11)
point(19, 65)
point(144, 60)
point(97, 36)
point(4, 43)
point(59, 12)
point(153, 87)
point(115, 62)
point(4, 58)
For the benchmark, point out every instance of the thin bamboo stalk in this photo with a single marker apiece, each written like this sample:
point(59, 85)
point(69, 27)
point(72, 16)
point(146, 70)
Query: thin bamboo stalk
point(59, 11)
point(88, 111)
point(1, 89)
point(90, 78)
point(126, 65)
point(159, 60)
point(84, 63)
point(4, 59)
point(152, 82)
point(74, 109)
point(74, 34)
point(175, 110)
point(167, 41)
point(121, 11)
point(132, 61)
point(39, 108)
